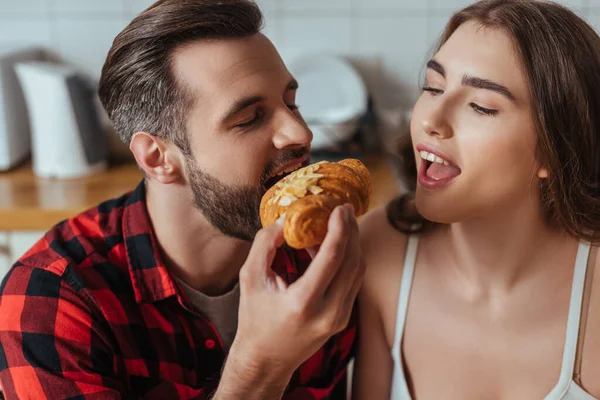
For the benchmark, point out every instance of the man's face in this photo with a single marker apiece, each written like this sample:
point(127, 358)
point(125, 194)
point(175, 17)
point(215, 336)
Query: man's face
point(244, 128)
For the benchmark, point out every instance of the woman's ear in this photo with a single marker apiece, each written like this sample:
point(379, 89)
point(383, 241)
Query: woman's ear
point(542, 173)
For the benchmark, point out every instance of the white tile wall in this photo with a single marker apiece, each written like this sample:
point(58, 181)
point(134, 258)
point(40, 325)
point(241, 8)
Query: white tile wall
point(270, 7)
point(448, 5)
point(272, 20)
point(366, 6)
point(435, 26)
point(593, 18)
point(454, 5)
point(400, 42)
point(89, 7)
point(399, 34)
point(318, 5)
point(313, 34)
point(137, 6)
point(576, 4)
point(17, 32)
point(28, 7)
point(85, 42)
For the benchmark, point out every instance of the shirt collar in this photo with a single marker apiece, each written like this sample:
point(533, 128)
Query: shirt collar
point(150, 278)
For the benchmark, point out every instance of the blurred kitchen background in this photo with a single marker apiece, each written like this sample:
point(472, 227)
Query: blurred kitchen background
point(358, 62)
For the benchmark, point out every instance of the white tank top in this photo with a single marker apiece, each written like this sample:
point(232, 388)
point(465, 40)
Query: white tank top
point(565, 389)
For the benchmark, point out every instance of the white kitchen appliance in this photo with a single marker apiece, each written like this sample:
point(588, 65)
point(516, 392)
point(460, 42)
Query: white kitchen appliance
point(332, 97)
point(67, 137)
point(14, 122)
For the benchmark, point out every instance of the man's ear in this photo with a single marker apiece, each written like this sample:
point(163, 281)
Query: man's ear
point(160, 161)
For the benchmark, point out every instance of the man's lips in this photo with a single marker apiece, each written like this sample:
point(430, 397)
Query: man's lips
point(289, 167)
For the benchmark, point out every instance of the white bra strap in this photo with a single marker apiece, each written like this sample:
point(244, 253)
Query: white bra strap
point(575, 309)
point(404, 293)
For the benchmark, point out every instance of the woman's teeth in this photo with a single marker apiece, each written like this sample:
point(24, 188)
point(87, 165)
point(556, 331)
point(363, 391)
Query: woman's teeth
point(425, 155)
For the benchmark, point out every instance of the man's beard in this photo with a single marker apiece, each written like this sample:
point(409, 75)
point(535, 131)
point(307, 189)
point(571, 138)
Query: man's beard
point(233, 210)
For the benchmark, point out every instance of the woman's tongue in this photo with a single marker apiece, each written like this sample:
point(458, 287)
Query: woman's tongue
point(439, 172)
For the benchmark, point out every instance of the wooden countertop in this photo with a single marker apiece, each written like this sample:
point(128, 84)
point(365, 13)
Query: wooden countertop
point(31, 203)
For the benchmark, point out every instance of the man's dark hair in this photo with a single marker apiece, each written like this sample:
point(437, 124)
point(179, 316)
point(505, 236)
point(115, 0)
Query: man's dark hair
point(138, 88)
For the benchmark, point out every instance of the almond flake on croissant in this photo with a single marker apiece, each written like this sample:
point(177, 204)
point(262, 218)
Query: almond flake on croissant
point(308, 196)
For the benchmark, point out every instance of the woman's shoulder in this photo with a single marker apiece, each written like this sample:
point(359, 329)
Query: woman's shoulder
point(381, 242)
point(590, 373)
point(384, 248)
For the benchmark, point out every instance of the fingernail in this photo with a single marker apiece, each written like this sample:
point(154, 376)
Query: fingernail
point(347, 213)
point(340, 210)
point(344, 213)
point(351, 210)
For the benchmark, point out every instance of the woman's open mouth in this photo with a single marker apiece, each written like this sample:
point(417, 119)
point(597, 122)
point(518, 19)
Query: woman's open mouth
point(435, 171)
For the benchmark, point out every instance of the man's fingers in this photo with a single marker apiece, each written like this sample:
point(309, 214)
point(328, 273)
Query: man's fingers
point(263, 250)
point(351, 267)
point(327, 260)
point(312, 251)
point(341, 296)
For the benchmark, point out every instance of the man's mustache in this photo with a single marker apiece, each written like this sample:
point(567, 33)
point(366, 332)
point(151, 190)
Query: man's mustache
point(285, 158)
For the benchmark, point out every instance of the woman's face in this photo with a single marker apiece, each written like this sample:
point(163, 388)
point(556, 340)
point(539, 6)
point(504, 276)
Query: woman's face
point(472, 129)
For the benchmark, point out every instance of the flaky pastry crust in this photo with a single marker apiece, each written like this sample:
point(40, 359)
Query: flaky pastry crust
point(308, 196)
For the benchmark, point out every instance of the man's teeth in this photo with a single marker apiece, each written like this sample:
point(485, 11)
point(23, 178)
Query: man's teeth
point(425, 155)
point(288, 170)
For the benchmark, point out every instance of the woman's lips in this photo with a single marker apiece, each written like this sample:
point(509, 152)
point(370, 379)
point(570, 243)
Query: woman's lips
point(435, 171)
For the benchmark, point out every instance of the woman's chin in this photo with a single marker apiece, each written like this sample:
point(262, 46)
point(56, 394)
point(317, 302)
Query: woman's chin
point(436, 209)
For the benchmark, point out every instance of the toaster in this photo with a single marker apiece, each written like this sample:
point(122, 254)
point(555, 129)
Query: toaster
point(67, 136)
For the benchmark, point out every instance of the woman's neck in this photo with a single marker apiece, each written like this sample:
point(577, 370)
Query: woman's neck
point(494, 254)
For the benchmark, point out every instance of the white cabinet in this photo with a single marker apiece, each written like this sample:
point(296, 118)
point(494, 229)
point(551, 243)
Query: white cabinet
point(13, 245)
point(21, 241)
point(4, 254)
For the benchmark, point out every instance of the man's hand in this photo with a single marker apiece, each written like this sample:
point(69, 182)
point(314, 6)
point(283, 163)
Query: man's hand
point(281, 326)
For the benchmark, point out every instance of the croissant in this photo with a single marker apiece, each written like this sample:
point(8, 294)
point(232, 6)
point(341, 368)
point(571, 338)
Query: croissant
point(308, 196)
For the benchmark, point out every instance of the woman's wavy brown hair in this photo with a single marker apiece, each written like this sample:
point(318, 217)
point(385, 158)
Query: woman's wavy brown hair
point(560, 54)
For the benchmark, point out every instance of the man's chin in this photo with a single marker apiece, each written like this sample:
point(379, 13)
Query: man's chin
point(238, 235)
point(245, 231)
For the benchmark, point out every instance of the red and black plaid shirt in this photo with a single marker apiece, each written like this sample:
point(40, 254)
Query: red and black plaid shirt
point(91, 312)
